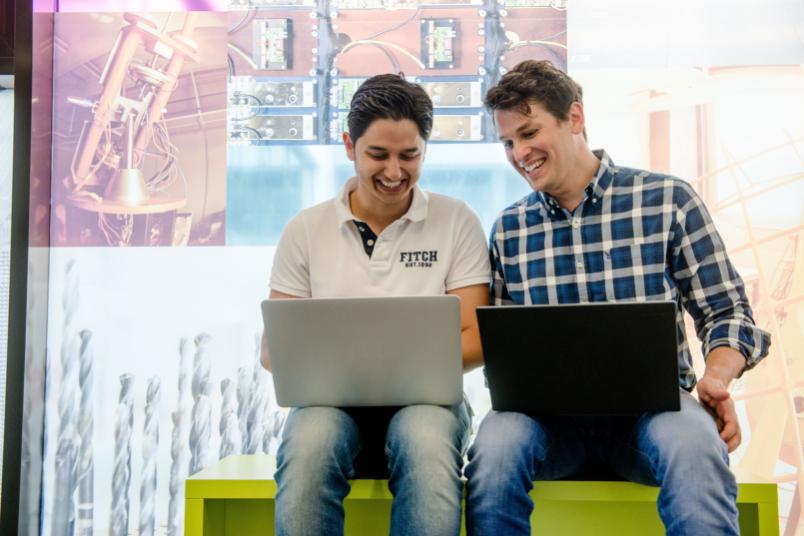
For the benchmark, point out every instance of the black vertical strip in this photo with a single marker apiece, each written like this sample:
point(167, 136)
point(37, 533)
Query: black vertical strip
point(18, 282)
point(6, 37)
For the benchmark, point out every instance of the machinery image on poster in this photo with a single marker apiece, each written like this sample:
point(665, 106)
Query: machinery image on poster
point(139, 123)
point(294, 64)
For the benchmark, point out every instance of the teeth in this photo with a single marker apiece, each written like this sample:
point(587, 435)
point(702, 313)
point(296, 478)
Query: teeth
point(390, 184)
point(536, 165)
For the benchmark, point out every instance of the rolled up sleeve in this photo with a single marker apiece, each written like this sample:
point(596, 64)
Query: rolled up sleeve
point(711, 289)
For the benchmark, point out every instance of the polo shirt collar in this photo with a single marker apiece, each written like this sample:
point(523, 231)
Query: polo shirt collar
point(416, 212)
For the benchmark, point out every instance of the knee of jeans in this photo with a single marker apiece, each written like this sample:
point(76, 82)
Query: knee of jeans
point(704, 444)
point(506, 443)
point(314, 437)
point(425, 439)
point(503, 433)
point(689, 442)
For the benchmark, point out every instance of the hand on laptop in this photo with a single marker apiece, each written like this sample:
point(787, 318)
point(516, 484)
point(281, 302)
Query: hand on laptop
point(715, 398)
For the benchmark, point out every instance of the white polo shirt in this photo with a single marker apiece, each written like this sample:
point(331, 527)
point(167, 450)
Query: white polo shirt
point(438, 245)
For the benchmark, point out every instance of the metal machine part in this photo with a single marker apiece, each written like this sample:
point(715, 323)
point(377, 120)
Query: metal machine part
point(446, 127)
point(457, 128)
point(342, 91)
point(140, 107)
point(438, 43)
point(451, 94)
point(444, 92)
point(273, 48)
point(247, 91)
point(268, 128)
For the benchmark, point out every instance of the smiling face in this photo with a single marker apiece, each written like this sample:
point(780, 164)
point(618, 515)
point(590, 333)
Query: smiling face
point(543, 149)
point(388, 158)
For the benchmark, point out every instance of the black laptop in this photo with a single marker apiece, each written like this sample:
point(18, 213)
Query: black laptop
point(581, 359)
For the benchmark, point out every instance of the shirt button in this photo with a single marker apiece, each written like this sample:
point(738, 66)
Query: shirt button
point(370, 242)
point(362, 229)
point(576, 222)
point(594, 200)
point(579, 265)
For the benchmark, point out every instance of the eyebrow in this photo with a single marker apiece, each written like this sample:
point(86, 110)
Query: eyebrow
point(526, 126)
point(384, 150)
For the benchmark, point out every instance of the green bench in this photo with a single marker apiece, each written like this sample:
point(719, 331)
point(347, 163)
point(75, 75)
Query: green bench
point(236, 496)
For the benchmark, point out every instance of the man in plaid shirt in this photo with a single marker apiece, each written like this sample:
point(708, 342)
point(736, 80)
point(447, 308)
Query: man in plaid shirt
point(594, 232)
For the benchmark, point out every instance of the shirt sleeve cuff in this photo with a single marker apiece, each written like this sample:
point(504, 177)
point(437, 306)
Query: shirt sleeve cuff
point(301, 293)
point(467, 282)
point(753, 354)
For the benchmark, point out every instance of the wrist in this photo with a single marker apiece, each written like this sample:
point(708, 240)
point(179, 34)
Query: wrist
point(724, 364)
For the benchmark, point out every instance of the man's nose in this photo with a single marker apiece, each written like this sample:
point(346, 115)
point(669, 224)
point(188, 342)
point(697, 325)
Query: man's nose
point(520, 151)
point(392, 169)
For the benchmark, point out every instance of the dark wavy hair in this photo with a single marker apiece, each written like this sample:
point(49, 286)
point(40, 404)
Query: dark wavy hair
point(389, 96)
point(535, 81)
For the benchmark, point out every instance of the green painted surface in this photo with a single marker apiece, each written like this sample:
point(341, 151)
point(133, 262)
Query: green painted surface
point(235, 497)
point(249, 516)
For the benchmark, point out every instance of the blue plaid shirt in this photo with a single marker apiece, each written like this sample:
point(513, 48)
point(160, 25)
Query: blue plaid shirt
point(636, 236)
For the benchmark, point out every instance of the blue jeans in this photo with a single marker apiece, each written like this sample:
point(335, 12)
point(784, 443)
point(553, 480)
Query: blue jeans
point(423, 446)
point(679, 451)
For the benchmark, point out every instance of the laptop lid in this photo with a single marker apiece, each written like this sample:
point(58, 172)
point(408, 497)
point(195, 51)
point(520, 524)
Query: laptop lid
point(390, 351)
point(581, 359)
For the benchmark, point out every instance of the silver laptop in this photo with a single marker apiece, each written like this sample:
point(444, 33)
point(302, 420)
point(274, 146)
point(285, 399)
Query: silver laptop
point(349, 352)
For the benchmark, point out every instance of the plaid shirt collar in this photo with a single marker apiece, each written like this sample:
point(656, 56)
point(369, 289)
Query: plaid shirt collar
point(595, 189)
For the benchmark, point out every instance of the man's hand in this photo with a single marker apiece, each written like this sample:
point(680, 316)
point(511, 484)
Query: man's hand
point(715, 398)
point(723, 364)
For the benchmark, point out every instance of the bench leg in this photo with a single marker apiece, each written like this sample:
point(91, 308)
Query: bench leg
point(193, 517)
point(204, 517)
point(768, 518)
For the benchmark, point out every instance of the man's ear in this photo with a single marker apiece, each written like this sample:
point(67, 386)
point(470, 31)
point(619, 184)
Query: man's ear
point(350, 147)
point(576, 118)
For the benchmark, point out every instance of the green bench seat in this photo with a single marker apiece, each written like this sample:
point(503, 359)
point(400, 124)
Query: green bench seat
point(236, 497)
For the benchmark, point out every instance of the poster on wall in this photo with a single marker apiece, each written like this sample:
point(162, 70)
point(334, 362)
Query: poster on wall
point(183, 141)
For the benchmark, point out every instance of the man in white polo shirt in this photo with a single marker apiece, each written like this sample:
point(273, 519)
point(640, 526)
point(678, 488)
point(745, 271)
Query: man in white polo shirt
point(382, 236)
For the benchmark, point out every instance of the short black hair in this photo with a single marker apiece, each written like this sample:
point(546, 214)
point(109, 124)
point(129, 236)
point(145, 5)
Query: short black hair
point(535, 81)
point(389, 96)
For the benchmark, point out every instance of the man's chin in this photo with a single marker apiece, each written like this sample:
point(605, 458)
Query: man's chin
point(534, 185)
point(538, 184)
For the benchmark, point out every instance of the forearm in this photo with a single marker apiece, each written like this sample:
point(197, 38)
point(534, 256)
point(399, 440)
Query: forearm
point(725, 364)
point(265, 359)
point(471, 298)
point(471, 348)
